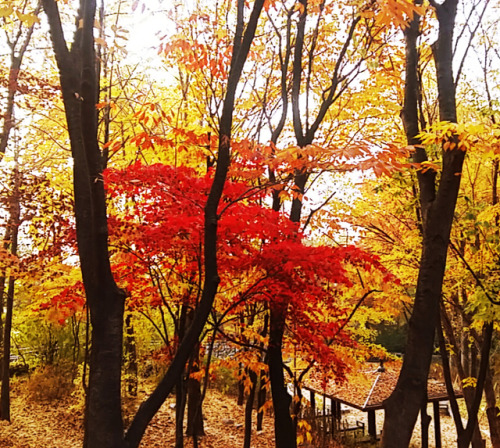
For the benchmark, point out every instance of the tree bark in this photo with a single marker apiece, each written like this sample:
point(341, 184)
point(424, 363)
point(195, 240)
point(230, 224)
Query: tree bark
point(455, 411)
point(304, 133)
point(492, 411)
point(261, 399)
point(180, 408)
point(195, 413)
point(263, 378)
point(284, 427)
point(472, 430)
point(180, 387)
point(403, 405)
point(241, 387)
point(482, 344)
point(425, 421)
point(3, 279)
point(18, 49)
point(249, 410)
point(153, 403)
point(130, 357)
point(14, 221)
point(104, 425)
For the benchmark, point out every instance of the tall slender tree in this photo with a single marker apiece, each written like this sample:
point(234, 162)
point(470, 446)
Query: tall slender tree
point(301, 52)
point(13, 224)
point(79, 84)
point(18, 42)
point(437, 201)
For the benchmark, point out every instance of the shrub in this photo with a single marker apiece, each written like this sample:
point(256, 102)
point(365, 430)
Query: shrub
point(224, 380)
point(50, 383)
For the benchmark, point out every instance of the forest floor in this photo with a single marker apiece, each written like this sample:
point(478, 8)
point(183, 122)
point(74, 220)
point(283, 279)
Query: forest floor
point(58, 424)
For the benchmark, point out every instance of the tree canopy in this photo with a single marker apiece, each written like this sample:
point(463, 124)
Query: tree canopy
point(283, 179)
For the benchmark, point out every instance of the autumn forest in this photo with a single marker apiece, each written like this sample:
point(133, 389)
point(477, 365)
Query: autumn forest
point(261, 223)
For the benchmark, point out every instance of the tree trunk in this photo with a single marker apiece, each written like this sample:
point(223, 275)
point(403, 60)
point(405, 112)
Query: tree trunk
point(472, 430)
point(263, 379)
point(2, 307)
point(425, 421)
point(241, 387)
point(476, 440)
point(285, 429)
point(104, 425)
point(472, 396)
point(241, 368)
point(14, 221)
point(5, 244)
point(180, 407)
point(180, 387)
point(5, 391)
point(283, 424)
point(403, 405)
point(148, 409)
point(249, 409)
point(130, 358)
point(261, 398)
point(195, 415)
point(16, 59)
point(492, 411)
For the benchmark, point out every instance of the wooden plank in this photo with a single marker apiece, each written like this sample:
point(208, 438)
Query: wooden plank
point(325, 429)
point(332, 415)
point(372, 424)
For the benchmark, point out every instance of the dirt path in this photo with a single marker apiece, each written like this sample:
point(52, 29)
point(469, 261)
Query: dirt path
point(59, 425)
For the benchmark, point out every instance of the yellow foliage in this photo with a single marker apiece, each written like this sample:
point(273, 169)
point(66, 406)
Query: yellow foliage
point(469, 382)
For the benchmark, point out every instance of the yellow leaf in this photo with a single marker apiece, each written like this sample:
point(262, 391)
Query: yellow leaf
point(469, 382)
point(5, 12)
point(100, 41)
point(283, 195)
point(28, 19)
point(299, 7)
